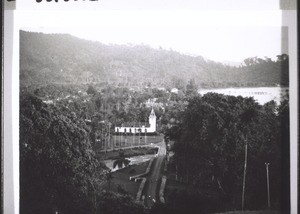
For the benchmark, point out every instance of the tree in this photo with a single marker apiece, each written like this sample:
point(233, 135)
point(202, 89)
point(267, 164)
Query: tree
point(91, 90)
point(216, 133)
point(58, 168)
point(191, 88)
point(121, 160)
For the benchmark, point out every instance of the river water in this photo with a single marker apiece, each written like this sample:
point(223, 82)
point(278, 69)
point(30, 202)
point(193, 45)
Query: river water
point(261, 94)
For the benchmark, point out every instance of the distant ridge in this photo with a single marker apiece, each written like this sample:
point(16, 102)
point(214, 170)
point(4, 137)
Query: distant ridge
point(64, 59)
point(231, 63)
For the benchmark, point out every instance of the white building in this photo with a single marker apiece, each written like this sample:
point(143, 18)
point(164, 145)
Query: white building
point(174, 90)
point(138, 127)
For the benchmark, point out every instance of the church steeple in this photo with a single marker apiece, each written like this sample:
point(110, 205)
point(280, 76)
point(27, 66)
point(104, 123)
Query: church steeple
point(152, 114)
point(152, 121)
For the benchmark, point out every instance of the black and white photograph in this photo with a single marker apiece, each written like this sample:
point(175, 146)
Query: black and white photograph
point(181, 111)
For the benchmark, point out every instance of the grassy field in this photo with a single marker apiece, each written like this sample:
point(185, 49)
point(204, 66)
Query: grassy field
point(120, 141)
point(121, 183)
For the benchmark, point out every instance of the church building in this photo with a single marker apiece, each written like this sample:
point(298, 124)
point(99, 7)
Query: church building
point(138, 127)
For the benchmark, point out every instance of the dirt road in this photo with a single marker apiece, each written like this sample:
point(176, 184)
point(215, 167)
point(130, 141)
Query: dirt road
point(154, 178)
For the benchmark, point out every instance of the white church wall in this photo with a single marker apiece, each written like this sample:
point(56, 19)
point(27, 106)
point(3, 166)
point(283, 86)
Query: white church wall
point(137, 130)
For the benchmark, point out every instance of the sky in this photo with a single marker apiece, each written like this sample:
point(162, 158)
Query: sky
point(219, 35)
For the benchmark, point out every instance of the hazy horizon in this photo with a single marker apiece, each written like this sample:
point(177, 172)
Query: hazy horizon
point(180, 48)
point(218, 36)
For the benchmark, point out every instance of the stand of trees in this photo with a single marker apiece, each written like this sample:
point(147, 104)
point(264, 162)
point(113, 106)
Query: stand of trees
point(58, 168)
point(214, 136)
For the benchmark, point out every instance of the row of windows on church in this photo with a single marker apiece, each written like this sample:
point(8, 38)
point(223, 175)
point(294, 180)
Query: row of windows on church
point(130, 130)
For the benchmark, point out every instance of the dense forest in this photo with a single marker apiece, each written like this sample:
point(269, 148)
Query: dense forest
point(62, 58)
point(59, 170)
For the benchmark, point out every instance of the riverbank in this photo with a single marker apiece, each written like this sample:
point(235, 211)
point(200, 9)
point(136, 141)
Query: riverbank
point(261, 94)
point(130, 152)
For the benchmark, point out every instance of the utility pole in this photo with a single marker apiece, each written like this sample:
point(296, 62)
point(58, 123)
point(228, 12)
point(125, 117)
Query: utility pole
point(245, 171)
point(105, 138)
point(145, 136)
point(116, 136)
point(120, 139)
point(139, 136)
point(109, 142)
point(125, 138)
point(113, 140)
point(131, 138)
point(268, 184)
point(145, 131)
point(134, 130)
point(140, 133)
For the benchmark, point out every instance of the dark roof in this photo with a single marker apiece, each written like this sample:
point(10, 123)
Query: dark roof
point(152, 114)
point(135, 124)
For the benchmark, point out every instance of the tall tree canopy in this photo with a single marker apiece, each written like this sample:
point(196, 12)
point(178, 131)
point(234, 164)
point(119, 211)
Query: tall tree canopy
point(210, 144)
point(58, 167)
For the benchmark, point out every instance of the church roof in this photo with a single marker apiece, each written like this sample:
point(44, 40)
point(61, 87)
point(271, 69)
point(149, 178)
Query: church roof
point(135, 124)
point(152, 114)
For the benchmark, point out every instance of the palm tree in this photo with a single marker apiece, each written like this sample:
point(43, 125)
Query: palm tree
point(121, 161)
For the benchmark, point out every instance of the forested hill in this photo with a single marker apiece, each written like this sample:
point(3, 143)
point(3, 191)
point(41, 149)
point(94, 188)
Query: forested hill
point(62, 58)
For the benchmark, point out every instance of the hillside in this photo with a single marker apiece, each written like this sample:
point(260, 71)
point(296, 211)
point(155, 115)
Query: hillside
point(65, 59)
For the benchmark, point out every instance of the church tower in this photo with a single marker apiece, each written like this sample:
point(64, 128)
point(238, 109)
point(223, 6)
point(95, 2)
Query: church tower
point(152, 121)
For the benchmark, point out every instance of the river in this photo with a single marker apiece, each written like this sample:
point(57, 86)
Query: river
point(261, 94)
point(133, 160)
